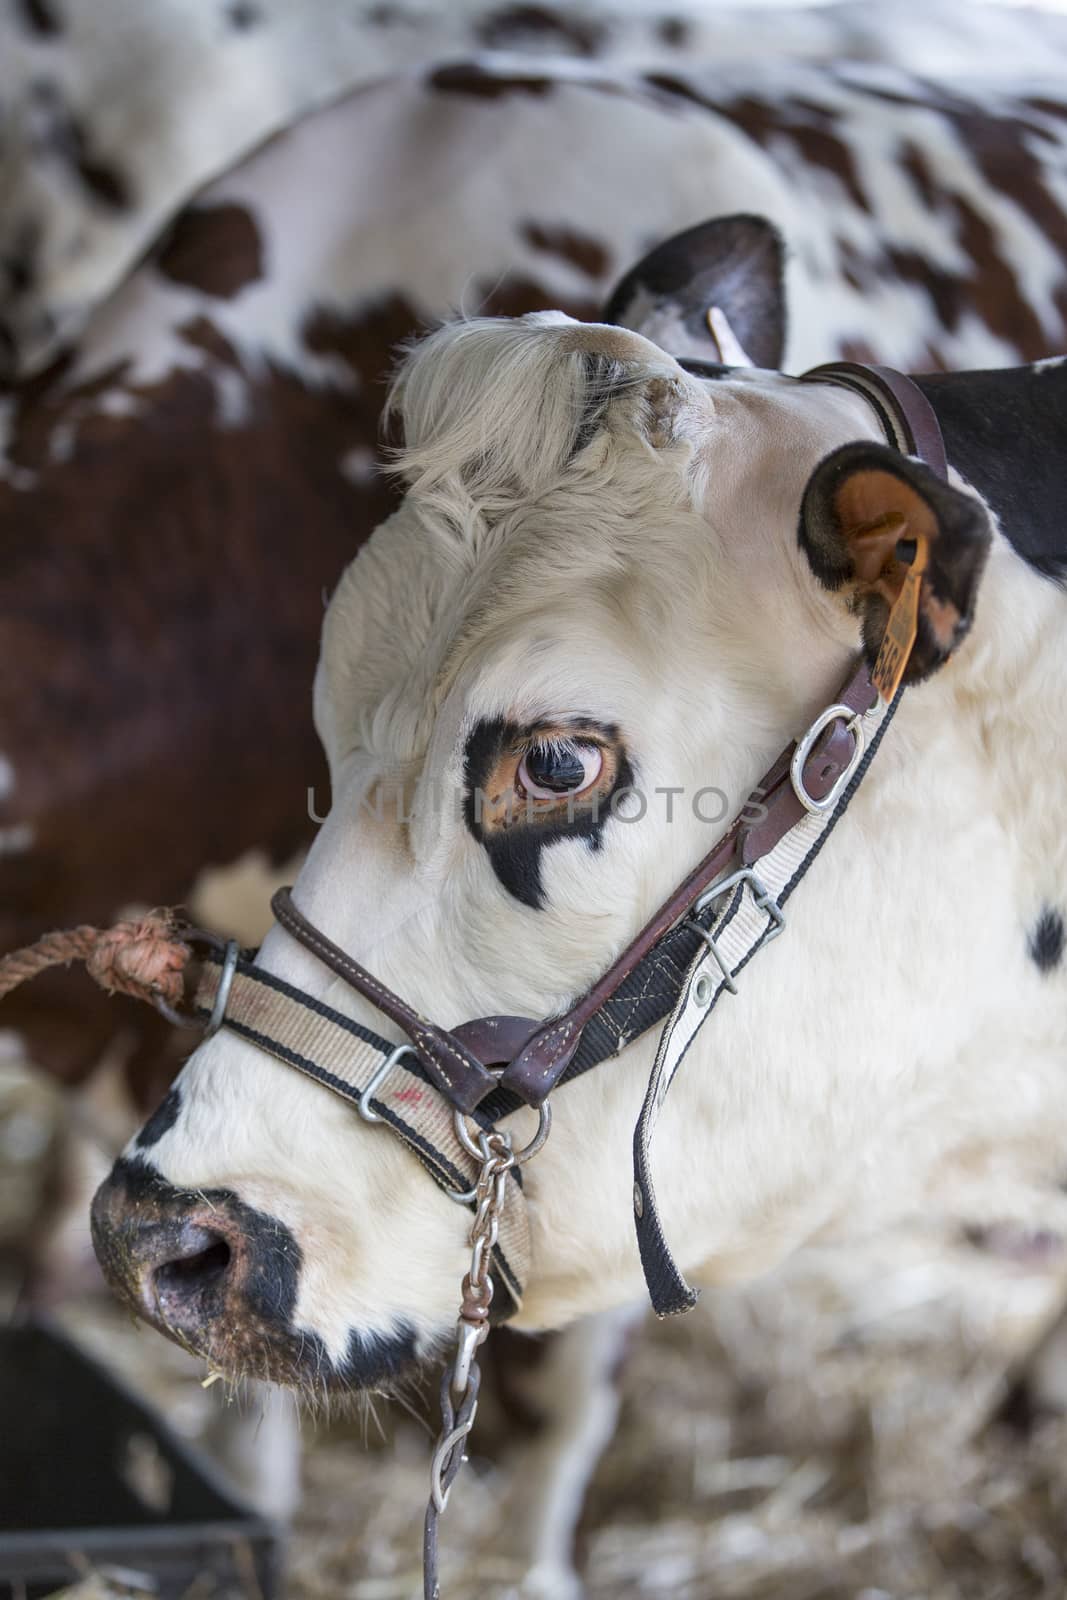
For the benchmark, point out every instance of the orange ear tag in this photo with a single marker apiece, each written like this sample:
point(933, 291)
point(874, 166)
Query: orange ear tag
point(902, 627)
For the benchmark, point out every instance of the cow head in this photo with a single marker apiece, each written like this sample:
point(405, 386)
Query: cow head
point(594, 597)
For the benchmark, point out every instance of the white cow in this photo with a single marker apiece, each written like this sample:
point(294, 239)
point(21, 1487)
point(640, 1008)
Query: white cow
point(610, 573)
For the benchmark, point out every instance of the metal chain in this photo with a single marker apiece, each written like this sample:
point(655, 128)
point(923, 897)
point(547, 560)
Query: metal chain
point(462, 1376)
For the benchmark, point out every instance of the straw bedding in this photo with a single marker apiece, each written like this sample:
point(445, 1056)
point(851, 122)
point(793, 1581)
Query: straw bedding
point(823, 1435)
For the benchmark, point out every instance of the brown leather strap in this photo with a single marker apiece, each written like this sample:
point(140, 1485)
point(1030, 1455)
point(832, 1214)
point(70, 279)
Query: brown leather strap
point(899, 401)
point(449, 1065)
point(495, 1040)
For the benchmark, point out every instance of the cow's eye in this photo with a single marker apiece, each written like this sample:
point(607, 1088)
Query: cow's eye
point(559, 766)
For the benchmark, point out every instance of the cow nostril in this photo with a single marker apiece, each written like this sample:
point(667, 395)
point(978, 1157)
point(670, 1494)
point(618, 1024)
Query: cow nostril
point(200, 1269)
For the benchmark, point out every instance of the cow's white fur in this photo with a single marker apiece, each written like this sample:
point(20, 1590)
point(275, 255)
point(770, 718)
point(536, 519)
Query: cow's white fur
point(896, 1050)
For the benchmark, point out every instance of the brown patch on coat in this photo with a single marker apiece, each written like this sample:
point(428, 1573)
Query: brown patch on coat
point(811, 128)
point(807, 125)
point(470, 79)
point(202, 334)
point(216, 249)
point(1056, 109)
point(1005, 149)
point(994, 288)
point(517, 25)
point(581, 251)
point(369, 343)
point(161, 591)
point(914, 161)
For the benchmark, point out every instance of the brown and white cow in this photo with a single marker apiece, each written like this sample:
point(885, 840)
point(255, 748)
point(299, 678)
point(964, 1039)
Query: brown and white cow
point(113, 118)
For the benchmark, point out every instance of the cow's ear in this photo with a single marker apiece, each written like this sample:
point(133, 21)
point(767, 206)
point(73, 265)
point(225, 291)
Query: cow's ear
point(897, 542)
point(713, 293)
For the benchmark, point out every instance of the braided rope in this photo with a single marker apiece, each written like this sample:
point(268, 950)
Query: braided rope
point(144, 957)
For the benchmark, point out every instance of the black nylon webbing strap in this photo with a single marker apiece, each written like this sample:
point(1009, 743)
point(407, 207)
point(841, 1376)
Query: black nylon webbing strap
point(644, 997)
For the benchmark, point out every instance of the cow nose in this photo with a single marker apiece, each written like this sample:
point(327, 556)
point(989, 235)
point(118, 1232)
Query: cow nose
point(169, 1255)
point(193, 1264)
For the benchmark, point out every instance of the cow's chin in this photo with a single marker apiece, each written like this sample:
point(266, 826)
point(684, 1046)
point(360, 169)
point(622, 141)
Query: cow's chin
point(221, 1279)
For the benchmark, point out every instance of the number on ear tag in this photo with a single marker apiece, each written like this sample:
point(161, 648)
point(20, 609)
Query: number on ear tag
point(901, 629)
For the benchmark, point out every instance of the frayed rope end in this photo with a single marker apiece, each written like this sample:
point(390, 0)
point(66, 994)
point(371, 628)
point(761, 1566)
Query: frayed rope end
point(144, 957)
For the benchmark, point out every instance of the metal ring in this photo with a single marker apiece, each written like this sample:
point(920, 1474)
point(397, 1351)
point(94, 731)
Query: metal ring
point(173, 1016)
point(222, 993)
point(544, 1127)
point(854, 725)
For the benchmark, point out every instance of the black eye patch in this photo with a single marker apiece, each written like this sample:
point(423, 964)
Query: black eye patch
point(515, 837)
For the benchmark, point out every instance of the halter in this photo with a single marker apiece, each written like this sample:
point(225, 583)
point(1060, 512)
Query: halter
point(443, 1091)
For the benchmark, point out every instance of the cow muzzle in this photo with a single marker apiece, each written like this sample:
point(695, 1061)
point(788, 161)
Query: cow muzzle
point(183, 1262)
point(221, 1279)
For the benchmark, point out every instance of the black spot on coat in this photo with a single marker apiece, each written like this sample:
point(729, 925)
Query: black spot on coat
point(242, 14)
point(470, 78)
point(1047, 941)
point(161, 1121)
point(41, 17)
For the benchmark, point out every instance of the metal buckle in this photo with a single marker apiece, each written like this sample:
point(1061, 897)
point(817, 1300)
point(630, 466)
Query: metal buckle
point(222, 993)
point(854, 720)
point(760, 894)
point(763, 899)
point(709, 940)
point(378, 1078)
